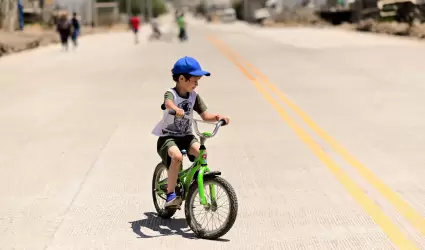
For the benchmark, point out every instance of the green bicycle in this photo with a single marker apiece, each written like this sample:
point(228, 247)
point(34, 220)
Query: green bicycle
point(191, 184)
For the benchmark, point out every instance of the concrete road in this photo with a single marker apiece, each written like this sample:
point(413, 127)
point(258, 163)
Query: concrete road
point(325, 146)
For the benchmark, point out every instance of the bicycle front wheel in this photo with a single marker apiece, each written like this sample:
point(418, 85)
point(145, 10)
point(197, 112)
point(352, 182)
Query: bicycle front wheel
point(217, 218)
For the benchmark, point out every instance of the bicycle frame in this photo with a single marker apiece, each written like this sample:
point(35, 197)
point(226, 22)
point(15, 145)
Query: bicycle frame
point(200, 164)
point(186, 177)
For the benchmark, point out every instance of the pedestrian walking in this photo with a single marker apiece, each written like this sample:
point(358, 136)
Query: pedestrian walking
point(63, 27)
point(156, 32)
point(134, 23)
point(75, 29)
point(182, 27)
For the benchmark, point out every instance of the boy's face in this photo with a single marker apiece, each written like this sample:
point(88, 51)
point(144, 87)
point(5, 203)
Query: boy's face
point(191, 84)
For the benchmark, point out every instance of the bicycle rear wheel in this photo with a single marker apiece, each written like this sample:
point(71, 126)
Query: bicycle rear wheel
point(159, 199)
point(193, 208)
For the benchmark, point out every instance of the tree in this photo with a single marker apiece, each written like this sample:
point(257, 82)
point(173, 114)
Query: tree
point(158, 6)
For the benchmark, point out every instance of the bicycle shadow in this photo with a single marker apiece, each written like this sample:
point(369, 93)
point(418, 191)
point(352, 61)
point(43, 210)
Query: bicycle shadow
point(164, 227)
point(166, 37)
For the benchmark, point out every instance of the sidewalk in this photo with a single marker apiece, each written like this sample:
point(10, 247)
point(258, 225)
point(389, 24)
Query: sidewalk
point(34, 36)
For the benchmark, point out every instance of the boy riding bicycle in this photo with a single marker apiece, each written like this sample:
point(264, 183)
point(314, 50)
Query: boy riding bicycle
point(175, 132)
point(155, 27)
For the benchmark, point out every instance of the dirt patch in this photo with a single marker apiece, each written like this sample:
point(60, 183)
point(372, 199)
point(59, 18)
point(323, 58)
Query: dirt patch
point(36, 36)
point(307, 17)
point(296, 17)
point(391, 28)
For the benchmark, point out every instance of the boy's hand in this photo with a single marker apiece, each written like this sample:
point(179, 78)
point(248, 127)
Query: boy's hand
point(221, 117)
point(179, 112)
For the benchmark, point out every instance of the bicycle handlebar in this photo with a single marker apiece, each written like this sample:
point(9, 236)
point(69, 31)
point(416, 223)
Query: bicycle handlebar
point(220, 123)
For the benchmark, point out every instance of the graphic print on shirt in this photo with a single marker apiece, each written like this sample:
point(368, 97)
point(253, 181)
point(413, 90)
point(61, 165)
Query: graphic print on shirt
point(181, 125)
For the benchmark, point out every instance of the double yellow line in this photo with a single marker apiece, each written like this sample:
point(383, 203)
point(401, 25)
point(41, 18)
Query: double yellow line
point(394, 233)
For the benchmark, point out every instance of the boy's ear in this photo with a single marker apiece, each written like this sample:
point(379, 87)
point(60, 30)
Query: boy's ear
point(181, 78)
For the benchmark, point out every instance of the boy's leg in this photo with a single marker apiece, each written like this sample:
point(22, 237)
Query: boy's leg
point(173, 172)
point(168, 149)
point(136, 35)
point(73, 40)
point(66, 41)
point(194, 148)
point(75, 37)
point(171, 156)
point(184, 34)
point(181, 34)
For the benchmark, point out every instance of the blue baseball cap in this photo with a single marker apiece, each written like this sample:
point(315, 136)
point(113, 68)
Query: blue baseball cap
point(189, 65)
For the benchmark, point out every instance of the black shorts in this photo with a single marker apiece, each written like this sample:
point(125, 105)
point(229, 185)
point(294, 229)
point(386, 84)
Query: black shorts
point(166, 142)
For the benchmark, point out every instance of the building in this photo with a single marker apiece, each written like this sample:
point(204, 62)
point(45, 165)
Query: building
point(261, 9)
point(33, 7)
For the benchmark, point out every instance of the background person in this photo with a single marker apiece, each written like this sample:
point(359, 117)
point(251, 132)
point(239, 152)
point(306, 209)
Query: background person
point(135, 23)
point(63, 27)
point(75, 29)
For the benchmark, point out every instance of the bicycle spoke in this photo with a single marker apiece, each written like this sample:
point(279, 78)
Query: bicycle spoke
point(211, 218)
point(162, 199)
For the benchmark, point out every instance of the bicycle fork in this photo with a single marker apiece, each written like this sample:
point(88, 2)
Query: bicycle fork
point(204, 169)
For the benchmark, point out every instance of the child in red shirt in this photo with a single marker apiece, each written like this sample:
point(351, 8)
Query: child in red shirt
point(135, 22)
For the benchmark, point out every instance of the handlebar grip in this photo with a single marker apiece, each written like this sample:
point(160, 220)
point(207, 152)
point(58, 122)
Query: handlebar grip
point(171, 112)
point(223, 122)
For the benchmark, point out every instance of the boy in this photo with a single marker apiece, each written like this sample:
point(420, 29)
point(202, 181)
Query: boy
point(155, 27)
point(135, 22)
point(182, 27)
point(76, 29)
point(175, 132)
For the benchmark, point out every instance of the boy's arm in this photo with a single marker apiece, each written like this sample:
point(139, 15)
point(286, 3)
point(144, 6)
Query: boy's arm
point(213, 117)
point(169, 104)
point(210, 117)
point(201, 109)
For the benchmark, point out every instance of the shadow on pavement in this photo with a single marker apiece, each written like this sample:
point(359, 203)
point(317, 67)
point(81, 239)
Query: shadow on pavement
point(165, 227)
point(167, 37)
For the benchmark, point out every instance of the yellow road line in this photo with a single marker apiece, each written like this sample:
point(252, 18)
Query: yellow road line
point(377, 214)
point(414, 217)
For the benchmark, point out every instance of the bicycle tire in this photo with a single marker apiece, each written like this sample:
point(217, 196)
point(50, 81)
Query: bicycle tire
point(163, 213)
point(201, 233)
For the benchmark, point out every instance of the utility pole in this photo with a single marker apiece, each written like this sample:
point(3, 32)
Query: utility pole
point(128, 5)
point(142, 7)
point(94, 12)
point(150, 9)
point(88, 12)
point(245, 10)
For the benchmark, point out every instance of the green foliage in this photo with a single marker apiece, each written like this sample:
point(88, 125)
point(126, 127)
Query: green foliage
point(158, 6)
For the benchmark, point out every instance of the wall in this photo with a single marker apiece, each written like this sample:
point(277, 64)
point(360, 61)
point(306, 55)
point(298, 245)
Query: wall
point(9, 15)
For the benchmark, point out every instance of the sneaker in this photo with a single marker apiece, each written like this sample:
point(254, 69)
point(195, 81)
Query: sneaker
point(173, 200)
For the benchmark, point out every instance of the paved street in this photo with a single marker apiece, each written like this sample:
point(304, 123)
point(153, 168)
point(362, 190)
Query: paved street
point(324, 149)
